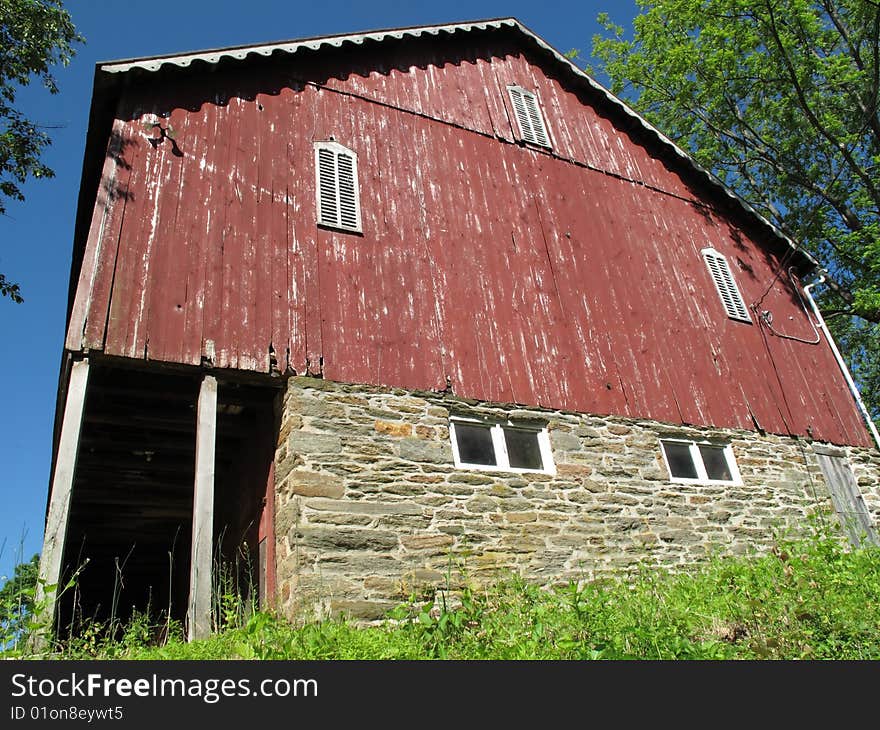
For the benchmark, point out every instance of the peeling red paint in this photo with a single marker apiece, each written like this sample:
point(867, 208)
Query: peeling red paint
point(570, 280)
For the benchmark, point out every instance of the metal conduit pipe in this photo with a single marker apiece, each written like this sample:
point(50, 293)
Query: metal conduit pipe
point(843, 368)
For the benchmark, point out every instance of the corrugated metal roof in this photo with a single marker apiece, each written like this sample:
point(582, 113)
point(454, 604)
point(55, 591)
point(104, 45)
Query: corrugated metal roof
point(213, 56)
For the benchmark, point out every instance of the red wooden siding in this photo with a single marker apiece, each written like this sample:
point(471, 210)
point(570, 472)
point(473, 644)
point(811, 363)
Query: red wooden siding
point(573, 281)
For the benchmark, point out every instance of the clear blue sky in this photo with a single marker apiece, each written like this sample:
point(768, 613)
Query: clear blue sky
point(36, 236)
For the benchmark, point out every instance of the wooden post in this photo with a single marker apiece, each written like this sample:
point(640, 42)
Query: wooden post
point(199, 612)
point(266, 538)
point(59, 501)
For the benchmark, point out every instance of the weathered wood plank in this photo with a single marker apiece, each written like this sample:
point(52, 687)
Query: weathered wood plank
point(165, 303)
point(204, 173)
point(114, 189)
point(62, 487)
point(199, 612)
point(264, 209)
point(847, 499)
point(266, 536)
point(298, 215)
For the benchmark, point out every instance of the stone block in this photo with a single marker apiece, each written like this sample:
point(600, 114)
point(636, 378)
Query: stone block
point(625, 524)
point(354, 400)
point(288, 464)
point(335, 518)
point(645, 442)
point(683, 537)
point(354, 564)
point(381, 584)
point(654, 473)
point(481, 503)
point(425, 451)
point(382, 414)
point(521, 414)
point(426, 478)
point(468, 477)
point(291, 423)
point(595, 486)
point(364, 507)
point(393, 428)
point(322, 407)
point(343, 538)
point(450, 529)
point(619, 430)
point(426, 432)
point(361, 610)
point(303, 383)
point(434, 500)
point(573, 470)
point(518, 517)
point(426, 542)
point(561, 441)
point(421, 576)
point(404, 523)
point(313, 484)
point(580, 496)
point(454, 489)
point(514, 504)
point(305, 442)
point(494, 560)
point(524, 544)
point(286, 517)
point(536, 529)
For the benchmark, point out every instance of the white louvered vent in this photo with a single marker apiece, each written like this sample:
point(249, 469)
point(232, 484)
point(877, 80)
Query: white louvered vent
point(337, 186)
point(726, 285)
point(528, 116)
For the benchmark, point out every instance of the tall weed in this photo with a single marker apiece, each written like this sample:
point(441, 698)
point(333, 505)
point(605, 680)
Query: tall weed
point(807, 599)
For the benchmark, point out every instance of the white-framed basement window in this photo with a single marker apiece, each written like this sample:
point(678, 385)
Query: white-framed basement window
point(532, 127)
point(700, 462)
point(336, 185)
point(487, 446)
point(725, 285)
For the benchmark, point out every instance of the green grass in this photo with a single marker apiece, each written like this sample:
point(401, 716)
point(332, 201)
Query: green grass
point(808, 599)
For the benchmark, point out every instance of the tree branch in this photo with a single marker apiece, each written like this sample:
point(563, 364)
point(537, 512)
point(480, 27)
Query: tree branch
point(869, 107)
point(811, 116)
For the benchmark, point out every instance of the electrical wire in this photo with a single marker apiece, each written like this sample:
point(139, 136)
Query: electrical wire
point(765, 317)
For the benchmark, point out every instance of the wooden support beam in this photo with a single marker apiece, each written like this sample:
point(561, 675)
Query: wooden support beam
point(199, 612)
point(62, 486)
point(266, 537)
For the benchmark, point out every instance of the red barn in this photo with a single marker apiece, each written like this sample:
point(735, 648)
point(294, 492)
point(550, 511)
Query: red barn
point(345, 309)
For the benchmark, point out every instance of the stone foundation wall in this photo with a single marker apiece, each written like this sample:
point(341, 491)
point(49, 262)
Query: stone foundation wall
point(371, 510)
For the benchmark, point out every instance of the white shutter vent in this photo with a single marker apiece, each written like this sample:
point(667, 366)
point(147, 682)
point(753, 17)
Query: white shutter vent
point(726, 286)
point(337, 186)
point(528, 116)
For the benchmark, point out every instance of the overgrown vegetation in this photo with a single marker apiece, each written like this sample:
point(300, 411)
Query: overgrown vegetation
point(17, 603)
point(808, 599)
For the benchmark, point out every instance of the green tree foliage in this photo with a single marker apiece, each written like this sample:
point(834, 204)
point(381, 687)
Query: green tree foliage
point(17, 602)
point(779, 98)
point(34, 36)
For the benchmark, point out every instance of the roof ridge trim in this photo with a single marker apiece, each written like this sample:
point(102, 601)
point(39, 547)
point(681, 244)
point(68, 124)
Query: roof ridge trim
point(155, 63)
